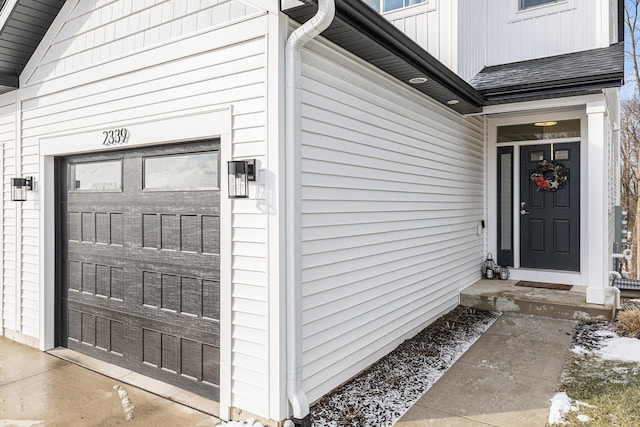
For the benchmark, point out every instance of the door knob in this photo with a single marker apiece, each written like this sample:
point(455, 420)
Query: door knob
point(523, 211)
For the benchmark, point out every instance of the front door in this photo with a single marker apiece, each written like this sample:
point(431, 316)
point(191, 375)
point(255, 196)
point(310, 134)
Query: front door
point(550, 220)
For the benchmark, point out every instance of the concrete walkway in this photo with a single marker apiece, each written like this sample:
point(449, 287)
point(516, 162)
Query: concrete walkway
point(505, 379)
point(37, 389)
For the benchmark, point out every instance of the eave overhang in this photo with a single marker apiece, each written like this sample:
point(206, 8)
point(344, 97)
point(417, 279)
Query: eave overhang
point(577, 73)
point(23, 24)
point(362, 31)
point(365, 33)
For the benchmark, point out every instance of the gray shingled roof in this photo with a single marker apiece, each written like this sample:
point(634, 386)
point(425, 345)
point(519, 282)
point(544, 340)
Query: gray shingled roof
point(569, 74)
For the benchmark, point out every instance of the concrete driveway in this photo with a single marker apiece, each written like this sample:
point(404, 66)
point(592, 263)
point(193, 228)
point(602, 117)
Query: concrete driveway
point(37, 389)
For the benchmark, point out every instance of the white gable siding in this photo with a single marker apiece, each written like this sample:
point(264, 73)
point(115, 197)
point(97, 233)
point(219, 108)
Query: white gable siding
point(201, 55)
point(432, 25)
point(568, 26)
point(101, 30)
point(466, 35)
point(392, 196)
point(472, 46)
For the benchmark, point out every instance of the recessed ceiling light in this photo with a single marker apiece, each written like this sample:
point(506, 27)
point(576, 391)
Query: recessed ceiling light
point(418, 80)
point(545, 124)
point(452, 101)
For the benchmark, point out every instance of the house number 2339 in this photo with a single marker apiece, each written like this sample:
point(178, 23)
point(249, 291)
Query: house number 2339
point(115, 136)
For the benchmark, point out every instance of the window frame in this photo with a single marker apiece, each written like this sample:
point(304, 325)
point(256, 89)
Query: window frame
point(522, 7)
point(516, 15)
point(72, 175)
point(146, 189)
point(380, 6)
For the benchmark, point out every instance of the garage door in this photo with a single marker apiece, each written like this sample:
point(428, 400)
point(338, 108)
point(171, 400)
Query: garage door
point(139, 265)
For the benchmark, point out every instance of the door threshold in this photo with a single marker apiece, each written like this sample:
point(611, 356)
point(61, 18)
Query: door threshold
point(140, 381)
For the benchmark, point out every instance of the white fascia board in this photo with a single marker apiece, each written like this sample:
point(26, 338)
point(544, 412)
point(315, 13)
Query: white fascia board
point(6, 12)
point(542, 104)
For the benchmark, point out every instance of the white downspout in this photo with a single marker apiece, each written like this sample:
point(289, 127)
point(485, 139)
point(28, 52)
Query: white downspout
point(310, 29)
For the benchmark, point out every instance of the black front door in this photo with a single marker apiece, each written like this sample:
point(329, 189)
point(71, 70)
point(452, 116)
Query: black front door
point(550, 220)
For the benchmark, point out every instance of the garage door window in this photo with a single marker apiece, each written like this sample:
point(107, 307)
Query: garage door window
point(194, 171)
point(96, 176)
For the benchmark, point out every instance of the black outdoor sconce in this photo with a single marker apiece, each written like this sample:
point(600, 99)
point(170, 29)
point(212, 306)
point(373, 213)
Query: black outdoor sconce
point(240, 173)
point(19, 188)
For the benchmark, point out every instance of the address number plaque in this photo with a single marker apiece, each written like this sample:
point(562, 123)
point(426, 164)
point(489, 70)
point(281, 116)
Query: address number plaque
point(116, 136)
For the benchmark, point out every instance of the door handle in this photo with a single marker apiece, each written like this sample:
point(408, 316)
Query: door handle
point(522, 209)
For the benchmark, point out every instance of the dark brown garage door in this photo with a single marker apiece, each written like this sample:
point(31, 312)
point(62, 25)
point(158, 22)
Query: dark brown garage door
point(139, 261)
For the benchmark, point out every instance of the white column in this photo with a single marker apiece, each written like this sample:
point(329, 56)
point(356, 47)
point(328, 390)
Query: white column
point(596, 183)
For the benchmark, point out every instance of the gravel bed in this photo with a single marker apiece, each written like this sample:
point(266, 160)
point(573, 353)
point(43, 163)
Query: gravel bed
point(382, 393)
point(590, 335)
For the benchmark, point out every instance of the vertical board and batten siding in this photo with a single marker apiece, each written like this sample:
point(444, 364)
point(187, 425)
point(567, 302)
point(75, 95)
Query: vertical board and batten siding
point(472, 42)
point(565, 27)
point(115, 62)
point(8, 286)
point(392, 194)
point(433, 26)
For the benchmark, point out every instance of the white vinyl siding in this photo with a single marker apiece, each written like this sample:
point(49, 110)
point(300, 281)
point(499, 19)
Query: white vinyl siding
point(467, 35)
point(392, 194)
point(433, 26)
point(8, 290)
point(472, 50)
point(99, 31)
point(213, 64)
point(568, 26)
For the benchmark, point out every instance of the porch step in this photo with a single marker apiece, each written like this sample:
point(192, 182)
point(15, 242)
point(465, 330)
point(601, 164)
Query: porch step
point(503, 295)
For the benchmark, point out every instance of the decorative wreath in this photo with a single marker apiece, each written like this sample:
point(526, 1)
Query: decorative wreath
point(543, 179)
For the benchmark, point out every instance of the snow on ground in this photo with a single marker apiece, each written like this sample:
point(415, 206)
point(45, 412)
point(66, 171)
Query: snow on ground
point(380, 395)
point(561, 405)
point(620, 348)
point(601, 339)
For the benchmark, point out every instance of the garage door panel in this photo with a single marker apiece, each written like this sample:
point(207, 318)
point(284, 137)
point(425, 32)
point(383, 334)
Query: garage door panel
point(96, 227)
point(141, 268)
point(199, 265)
point(193, 232)
point(196, 329)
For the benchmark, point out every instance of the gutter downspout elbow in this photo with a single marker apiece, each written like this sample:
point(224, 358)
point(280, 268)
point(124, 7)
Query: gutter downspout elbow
point(296, 41)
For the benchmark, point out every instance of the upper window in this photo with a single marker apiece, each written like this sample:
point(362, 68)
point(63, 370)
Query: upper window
point(539, 130)
point(194, 171)
point(96, 176)
point(528, 4)
point(389, 5)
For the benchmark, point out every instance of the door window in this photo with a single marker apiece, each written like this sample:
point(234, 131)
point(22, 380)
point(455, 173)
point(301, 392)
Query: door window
point(96, 176)
point(193, 171)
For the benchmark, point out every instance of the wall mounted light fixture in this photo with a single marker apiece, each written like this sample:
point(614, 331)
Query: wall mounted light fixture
point(240, 173)
point(19, 188)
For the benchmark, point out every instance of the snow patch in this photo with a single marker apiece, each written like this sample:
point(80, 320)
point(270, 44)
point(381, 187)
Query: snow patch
point(506, 304)
point(608, 345)
point(127, 406)
point(620, 348)
point(561, 405)
point(583, 418)
point(578, 349)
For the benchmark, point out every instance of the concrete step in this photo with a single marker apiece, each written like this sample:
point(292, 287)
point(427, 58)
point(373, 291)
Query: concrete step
point(504, 296)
